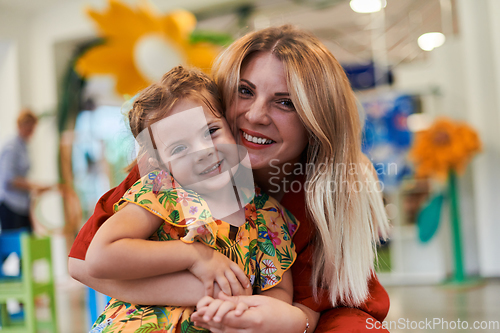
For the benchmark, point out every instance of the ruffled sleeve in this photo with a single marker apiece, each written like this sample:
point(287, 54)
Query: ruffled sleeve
point(160, 194)
point(276, 251)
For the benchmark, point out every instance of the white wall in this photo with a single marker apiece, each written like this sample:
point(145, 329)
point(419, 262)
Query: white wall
point(480, 48)
point(9, 89)
point(13, 32)
point(466, 71)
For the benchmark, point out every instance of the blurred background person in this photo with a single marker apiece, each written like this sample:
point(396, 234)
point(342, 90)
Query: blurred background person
point(15, 188)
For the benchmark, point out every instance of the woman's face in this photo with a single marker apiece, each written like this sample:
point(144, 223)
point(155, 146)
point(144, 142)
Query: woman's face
point(267, 123)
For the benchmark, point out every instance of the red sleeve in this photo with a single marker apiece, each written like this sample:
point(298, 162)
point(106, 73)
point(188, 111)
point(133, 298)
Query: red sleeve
point(376, 306)
point(348, 320)
point(103, 210)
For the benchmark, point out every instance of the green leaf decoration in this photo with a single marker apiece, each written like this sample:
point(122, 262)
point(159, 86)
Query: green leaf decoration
point(187, 326)
point(174, 216)
point(147, 328)
point(267, 248)
point(428, 218)
point(168, 197)
point(99, 320)
point(161, 314)
point(261, 201)
point(205, 214)
point(211, 37)
point(285, 258)
point(225, 246)
point(145, 202)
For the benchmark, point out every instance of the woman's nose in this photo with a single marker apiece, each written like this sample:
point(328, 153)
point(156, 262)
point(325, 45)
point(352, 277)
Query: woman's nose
point(258, 113)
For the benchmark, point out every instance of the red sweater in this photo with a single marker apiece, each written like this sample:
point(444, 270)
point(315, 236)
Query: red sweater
point(338, 319)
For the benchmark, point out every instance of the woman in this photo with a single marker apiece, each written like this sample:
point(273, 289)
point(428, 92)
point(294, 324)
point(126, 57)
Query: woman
point(291, 105)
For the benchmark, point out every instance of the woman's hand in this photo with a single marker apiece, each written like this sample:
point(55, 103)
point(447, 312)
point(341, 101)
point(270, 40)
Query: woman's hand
point(212, 267)
point(215, 309)
point(264, 314)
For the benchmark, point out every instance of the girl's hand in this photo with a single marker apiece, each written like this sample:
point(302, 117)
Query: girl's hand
point(215, 309)
point(264, 314)
point(211, 266)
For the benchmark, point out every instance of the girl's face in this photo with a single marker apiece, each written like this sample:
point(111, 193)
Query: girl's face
point(196, 146)
point(267, 123)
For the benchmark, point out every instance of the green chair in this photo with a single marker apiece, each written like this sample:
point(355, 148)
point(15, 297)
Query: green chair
point(27, 287)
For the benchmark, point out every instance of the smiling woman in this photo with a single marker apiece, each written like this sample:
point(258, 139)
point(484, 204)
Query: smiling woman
point(282, 84)
point(264, 114)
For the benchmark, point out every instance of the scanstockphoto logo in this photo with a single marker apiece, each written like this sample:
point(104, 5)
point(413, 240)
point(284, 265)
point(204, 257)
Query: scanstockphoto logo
point(439, 324)
point(292, 184)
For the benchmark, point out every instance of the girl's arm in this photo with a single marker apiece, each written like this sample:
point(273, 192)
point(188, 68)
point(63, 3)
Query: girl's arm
point(120, 250)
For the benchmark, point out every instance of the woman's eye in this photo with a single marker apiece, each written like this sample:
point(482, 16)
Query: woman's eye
point(287, 103)
point(243, 90)
point(177, 150)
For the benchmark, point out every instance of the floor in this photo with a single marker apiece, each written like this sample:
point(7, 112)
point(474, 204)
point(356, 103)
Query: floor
point(433, 306)
point(411, 306)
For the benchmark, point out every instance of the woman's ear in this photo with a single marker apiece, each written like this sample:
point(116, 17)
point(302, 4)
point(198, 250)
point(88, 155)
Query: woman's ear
point(153, 162)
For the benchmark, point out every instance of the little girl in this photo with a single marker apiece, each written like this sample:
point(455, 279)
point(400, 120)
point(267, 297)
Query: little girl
point(188, 185)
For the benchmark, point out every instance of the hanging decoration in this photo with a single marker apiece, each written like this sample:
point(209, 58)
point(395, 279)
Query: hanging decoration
point(443, 152)
point(386, 137)
point(139, 45)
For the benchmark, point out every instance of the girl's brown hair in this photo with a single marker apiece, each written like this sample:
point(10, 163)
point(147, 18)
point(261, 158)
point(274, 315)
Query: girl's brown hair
point(155, 102)
point(349, 221)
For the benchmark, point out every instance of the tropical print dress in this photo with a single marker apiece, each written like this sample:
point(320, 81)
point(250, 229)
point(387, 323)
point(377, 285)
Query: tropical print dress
point(262, 247)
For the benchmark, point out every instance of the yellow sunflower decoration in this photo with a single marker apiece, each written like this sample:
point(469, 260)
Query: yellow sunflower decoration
point(446, 146)
point(141, 45)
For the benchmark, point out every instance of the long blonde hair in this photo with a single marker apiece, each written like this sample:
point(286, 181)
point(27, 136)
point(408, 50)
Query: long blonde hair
point(345, 204)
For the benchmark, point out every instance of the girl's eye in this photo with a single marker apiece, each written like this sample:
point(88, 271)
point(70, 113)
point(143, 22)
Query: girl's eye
point(211, 131)
point(287, 104)
point(177, 150)
point(244, 90)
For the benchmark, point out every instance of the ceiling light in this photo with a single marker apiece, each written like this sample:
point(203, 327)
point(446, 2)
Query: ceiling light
point(429, 41)
point(367, 6)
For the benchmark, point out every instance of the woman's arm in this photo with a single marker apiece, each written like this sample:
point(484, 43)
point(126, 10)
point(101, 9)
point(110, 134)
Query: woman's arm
point(157, 290)
point(272, 311)
point(265, 314)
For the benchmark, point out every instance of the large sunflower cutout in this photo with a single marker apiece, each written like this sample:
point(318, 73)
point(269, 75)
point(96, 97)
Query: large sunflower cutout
point(446, 146)
point(139, 45)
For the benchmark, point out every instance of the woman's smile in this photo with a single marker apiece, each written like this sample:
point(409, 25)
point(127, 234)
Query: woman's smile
point(255, 140)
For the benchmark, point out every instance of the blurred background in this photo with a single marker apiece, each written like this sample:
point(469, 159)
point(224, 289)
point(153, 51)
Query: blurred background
point(442, 259)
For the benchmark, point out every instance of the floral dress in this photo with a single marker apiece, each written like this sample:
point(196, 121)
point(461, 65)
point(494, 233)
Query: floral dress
point(262, 248)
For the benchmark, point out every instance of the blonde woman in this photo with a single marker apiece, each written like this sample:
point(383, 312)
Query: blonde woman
point(290, 104)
